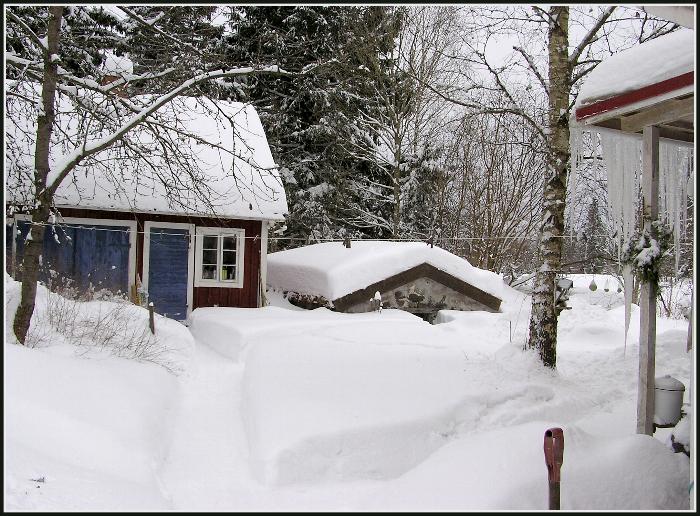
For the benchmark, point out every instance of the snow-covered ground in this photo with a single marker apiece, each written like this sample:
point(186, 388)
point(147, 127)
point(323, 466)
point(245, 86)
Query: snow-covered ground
point(284, 409)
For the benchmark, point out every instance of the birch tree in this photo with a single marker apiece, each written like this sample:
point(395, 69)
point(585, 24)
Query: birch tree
point(48, 50)
point(542, 92)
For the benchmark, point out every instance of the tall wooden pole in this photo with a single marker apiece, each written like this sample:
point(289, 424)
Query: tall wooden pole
point(647, 296)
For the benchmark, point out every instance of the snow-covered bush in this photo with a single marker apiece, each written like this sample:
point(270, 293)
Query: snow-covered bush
point(114, 327)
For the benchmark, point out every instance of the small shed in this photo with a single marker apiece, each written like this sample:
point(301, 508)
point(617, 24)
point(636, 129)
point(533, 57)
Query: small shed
point(410, 276)
point(647, 94)
point(116, 228)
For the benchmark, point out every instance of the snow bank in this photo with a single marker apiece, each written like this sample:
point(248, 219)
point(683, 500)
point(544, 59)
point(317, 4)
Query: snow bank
point(504, 469)
point(76, 411)
point(347, 402)
point(331, 270)
point(230, 330)
point(109, 415)
point(228, 152)
point(642, 65)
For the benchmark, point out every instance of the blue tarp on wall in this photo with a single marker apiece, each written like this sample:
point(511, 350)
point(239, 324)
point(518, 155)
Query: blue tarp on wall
point(82, 255)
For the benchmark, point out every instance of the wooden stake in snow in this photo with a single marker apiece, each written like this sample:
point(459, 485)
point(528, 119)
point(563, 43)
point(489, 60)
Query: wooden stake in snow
point(647, 295)
point(554, 458)
point(151, 318)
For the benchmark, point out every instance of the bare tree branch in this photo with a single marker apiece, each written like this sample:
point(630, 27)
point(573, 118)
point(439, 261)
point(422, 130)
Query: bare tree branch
point(589, 37)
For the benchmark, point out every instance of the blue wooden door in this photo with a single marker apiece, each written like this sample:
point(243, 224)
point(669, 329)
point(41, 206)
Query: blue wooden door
point(82, 256)
point(168, 266)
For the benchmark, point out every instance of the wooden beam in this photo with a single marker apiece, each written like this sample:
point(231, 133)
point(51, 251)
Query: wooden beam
point(647, 296)
point(676, 134)
point(660, 114)
point(671, 133)
point(681, 125)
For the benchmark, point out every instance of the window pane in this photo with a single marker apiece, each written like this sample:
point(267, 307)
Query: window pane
point(230, 243)
point(228, 272)
point(208, 271)
point(228, 258)
point(209, 257)
point(209, 242)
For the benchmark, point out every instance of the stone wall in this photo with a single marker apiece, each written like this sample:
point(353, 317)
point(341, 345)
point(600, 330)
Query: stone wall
point(422, 296)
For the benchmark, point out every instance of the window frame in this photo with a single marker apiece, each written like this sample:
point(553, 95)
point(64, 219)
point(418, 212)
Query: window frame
point(200, 233)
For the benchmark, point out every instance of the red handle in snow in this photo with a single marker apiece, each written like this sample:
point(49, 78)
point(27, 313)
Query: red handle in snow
point(554, 458)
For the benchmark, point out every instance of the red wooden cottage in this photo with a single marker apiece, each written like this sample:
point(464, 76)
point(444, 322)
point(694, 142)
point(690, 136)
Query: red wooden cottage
point(187, 221)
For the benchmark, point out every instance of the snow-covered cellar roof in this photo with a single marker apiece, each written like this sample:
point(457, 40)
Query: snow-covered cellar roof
point(214, 161)
point(332, 270)
point(642, 77)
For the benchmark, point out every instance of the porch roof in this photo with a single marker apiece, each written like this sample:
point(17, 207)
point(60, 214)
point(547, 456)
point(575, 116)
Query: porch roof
point(650, 84)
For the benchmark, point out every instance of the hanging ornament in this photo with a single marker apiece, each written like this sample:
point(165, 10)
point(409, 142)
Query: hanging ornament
point(619, 289)
point(593, 286)
point(607, 285)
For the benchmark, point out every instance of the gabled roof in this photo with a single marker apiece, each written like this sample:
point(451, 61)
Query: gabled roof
point(225, 140)
point(652, 81)
point(424, 270)
point(333, 271)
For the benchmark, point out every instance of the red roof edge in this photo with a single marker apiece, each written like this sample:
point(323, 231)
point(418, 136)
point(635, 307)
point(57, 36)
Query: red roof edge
point(625, 99)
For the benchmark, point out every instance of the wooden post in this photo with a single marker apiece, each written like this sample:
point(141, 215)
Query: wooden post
point(647, 295)
point(689, 343)
point(151, 318)
point(553, 459)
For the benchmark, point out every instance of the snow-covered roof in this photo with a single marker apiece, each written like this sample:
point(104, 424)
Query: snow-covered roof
point(331, 270)
point(661, 59)
point(217, 161)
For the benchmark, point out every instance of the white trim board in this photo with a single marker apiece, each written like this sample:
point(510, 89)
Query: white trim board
point(148, 225)
point(262, 290)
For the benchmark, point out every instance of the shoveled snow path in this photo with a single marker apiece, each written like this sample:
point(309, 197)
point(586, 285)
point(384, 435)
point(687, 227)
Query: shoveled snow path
point(205, 463)
point(207, 467)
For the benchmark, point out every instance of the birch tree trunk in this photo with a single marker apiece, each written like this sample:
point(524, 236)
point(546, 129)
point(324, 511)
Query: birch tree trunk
point(543, 319)
point(40, 214)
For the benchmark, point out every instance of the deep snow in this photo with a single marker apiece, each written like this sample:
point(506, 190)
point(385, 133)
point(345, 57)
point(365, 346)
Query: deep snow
point(316, 410)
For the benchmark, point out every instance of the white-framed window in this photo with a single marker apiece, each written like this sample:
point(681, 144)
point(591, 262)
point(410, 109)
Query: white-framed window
point(219, 257)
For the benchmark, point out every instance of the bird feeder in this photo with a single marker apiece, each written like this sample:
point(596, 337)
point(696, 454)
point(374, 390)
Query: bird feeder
point(668, 399)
